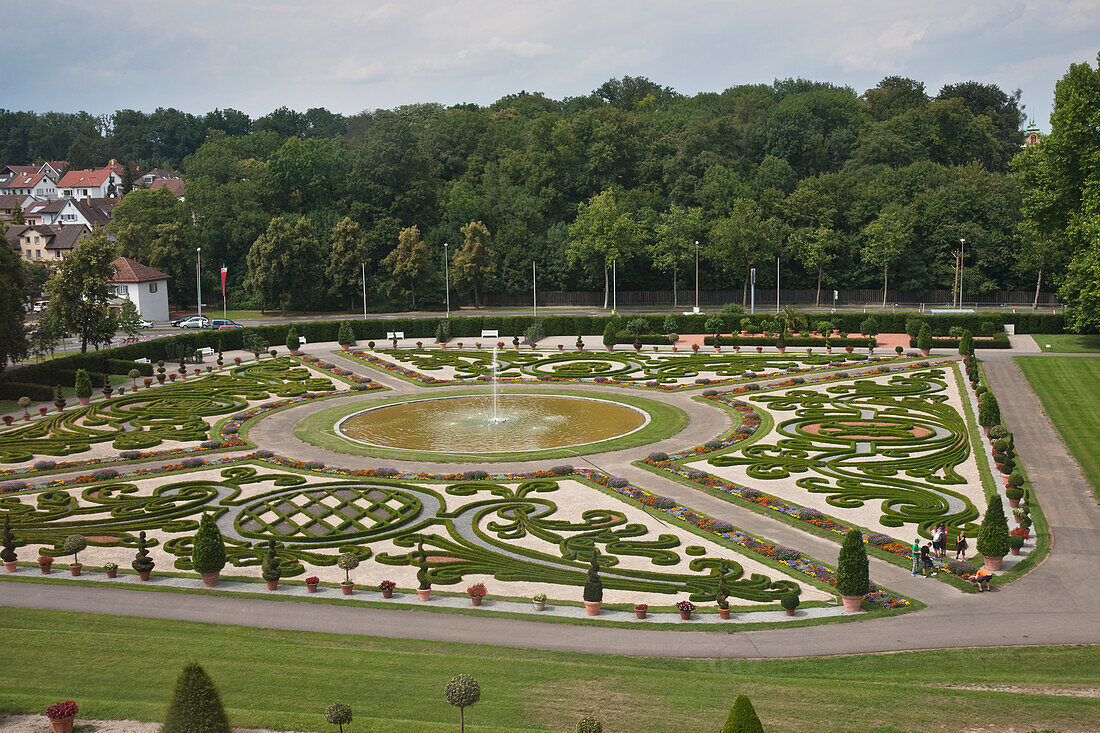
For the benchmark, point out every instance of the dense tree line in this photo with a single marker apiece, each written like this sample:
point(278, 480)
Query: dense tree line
point(850, 190)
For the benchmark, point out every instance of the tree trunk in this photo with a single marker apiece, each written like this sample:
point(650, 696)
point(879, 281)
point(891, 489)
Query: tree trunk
point(412, 286)
point(817, 302)
point(745, 290)
point(282, 302)
point(884, 272)
point(675, 293)
point(1038, 282)
point(477, 299)
point(606, 287)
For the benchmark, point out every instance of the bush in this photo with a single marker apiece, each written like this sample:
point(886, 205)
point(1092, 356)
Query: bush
point(7, 542)
point(789, 601)
point(913, 327)
point(742, 718)
point(462, 691)
point(1015, 541)
point(534, 333)
point(966, 343)
point(292, 343)
point(195, 704)
point(670, 325)
point(998, 431)
point(142, 562)
point(1016, 479)
point(338, 713)
point(747, 325)
point(443, 331)
point(83, 384)
point(593, 587)
point(960, 567)
point(610, 332)
point(924, 337)
point(851, 568)
point(271, 566)
point(993, 533)
point(714, 325)
point(589, 724)
point(732, 309)
point(989, 412)
point(345, 337)
point(637, 326)
point(208, 551)
point(869, 326)
point(789, 554)
point(878, 539)
point(1014, 493)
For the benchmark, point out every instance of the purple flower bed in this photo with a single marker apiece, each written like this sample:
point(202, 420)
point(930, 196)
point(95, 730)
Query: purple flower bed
point(807, 513)
point(788, 554)
point(878, 539)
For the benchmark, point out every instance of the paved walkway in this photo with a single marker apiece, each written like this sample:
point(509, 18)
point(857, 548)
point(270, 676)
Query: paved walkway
point(1057, 603)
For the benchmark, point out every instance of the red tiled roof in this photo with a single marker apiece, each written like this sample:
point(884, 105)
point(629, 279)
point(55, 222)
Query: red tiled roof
point(175, 185)
point(25, 180)
point(76, 179)
point(131, 271)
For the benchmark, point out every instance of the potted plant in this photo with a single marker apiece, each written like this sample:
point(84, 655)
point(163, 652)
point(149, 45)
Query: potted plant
point(147, 381)
point(107, 388)
point(43, 410)
point(25, 402)
point(1015, 542)
point(593, 586)
point(640, 610)
point(8, 420)
point(685, 608)
point(7, 547)
point(539, 600)
point(111, 568)
point(83, 384)
point(142, 564)
point(924, 339)
point(789, 601)
point(58, 399)
point(852, 574)
point(61, 715)
point(73, 544)
point(387, 586)
point(271, 567)
point(721, 598)
point(208, 551)
point(780, 343)
point(476, 592)
point(993, 534)
point(347, 562)
point(44, 563)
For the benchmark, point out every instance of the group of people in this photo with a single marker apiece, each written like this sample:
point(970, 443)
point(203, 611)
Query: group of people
point(922, 555)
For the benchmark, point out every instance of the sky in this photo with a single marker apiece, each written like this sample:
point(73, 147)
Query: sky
point(355, 55)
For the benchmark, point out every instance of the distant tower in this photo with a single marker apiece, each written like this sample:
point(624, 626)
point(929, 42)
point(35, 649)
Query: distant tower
point(1031, 134)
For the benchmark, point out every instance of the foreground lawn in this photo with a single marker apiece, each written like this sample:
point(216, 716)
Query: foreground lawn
point(1069, 389)
point(1067, 343)
point(117, 667)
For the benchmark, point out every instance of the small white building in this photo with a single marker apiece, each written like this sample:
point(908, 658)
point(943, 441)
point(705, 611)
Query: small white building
point(146, 287)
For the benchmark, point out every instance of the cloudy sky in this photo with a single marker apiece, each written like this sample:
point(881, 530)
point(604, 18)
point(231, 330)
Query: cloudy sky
point(350, 55)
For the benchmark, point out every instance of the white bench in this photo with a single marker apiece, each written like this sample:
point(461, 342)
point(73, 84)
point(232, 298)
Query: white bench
point(395, 335)
point(142, 360)
point(206, 351)
point(490, 333)
point(301, 340)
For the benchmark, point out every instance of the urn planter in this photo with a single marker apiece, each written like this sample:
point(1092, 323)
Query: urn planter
point(84, 400)
point(991, 562)
point(210, 579)
point(640, 613)
point(476, 600)
point(685, 615)
point(852, 603)
point(592, 608)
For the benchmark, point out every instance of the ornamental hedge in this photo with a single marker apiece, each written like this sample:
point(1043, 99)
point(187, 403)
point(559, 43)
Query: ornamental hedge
point(742, 718)
point(993, 533)
point(195, 704)
point(208, 555)
point(852, 577)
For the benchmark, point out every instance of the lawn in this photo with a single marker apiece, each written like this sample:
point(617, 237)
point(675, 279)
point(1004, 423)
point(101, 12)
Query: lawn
point(1069, 389)
point(118, 667)
point(1067, 343)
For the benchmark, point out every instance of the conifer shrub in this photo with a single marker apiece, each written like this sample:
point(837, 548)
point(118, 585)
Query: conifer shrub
point(852, 569)
point(989, 412)
point(593, 586)
point(966, 343)
point(142, 562)
point(83, 384)
point(7, 542)
point(924, 337)
point(345, 336)
point(609, 333)
point(742, 718)
point(208, 550)
point(993, 532)
point(195, 704)
point(271, 568)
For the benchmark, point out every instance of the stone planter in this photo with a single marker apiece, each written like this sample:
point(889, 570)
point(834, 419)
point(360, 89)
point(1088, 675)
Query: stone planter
point(63, 725)
point(75, 568)
point(210, 579)
point(424, 594)
point(592, 608)
point(272, 584)
point(12, 566)
point(539, 605)
point(852, 603)
point(992, 563)
point(346, 588)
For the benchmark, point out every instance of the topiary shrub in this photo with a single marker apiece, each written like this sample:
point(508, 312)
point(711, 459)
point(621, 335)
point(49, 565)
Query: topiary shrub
point(271, 567)
point(142, 562)
point(208, 549)
point(851, 567)
point(869, 326)
point(609, 332)
point(742, 718)
point(1015, 541)
point(789, 601)
point(993, 533)
point(292, 343)
point(913, 327)
point(989, 412)
point(1014, 493)
point(998, 431)
point(589, 724)
point(924, 337)
point(1015, 479)
point(83, 384)
point(195, 704)
point(966, 343)
point(593, 587)
point(7, 542)
point(462, 691)
point(347, 562)
point(345, 337)
point(74, 544)
point(338, 713)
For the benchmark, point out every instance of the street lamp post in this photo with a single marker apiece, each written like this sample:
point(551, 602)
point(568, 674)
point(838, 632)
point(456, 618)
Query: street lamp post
point(752, 290)
point(777, 284)
point(962, 259)
point(198, 278)
point(696, 275)
point(364, 266)
point(614, 288)
point(447, 275)
point(534, 292)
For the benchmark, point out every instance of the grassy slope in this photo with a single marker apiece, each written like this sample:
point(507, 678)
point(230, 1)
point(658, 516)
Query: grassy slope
point(117, 667)
point(1069, 389)
point(1067, 343)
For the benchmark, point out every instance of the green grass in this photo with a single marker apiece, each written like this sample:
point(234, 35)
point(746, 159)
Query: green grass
point(124, 668)
point(1067, 343)
point(1069, 389)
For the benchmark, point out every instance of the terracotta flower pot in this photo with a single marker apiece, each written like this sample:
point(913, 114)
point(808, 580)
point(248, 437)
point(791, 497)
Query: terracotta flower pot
point(112, 573)
point(63, 725)
point(852, 603)
point(45, 567)
point(388, 593)
point(640, 614)
point(992, 563)
point(43, 410)
point(685, 615)
point(1014, 550)
point(848, 349)
point(1013, 503)
point(424, 594)
point(145, 574)
point(724, 614)
point(210, 579)
point(75, 568)
point(592, 608)
point(476, 600)
point(12, 566)
point(84, 400)
point(924, 352)
point(272, 585)
point(346, 588)
point(790, 611)
point(781, 349)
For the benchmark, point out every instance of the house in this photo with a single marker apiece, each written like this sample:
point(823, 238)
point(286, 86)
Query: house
point(8, 202)
point(54, 169)
point(44, 212)
point(92, 212)
point(45, 243)
point(145, 287)
point(35, 185)
point(146, 180)
point(98, 183)
point(175, 185)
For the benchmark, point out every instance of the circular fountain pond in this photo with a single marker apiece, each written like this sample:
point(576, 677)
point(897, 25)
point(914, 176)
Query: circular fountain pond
point(476, 424)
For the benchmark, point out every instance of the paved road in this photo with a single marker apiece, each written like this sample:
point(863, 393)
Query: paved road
point(1057, 603)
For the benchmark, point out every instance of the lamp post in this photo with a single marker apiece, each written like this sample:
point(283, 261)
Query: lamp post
point(962, 259)
point(364, 266)
point(447, 275)
point(752, 290)
point(198, 278)
point(534, 292)
point(696, 275)
point(614, 288)
point(777, 284)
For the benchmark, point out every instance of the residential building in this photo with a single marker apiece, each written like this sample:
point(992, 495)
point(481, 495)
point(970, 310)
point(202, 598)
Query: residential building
point(35, 185)
point(98, 183)
point(8, 202)
point(145, 287)
point(45, 243)
point(54, 169)
point(175, 185)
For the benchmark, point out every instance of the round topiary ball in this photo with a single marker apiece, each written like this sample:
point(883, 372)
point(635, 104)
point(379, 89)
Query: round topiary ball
point(462, 691)
point(589, 724)
point(789, 601)
point(338, 713)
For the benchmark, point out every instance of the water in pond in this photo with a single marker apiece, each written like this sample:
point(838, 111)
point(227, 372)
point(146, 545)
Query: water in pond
point(467, 425)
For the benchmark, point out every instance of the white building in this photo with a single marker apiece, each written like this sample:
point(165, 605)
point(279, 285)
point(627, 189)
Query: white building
point(146, 287)
point(99, 183)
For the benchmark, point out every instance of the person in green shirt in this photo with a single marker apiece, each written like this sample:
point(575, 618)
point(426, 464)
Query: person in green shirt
point(915, 552)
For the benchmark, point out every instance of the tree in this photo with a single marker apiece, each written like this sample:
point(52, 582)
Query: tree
point(966, 343)
point(338, 713)
point(284, 262)
point(346, 260)
point(887, 238)
point(742, 718)
point(674, 246)
point(80, 292)
point(208, 549)
point(410, 260)
point(129, 320)
point(993, 532)
point(271, 565)
point(462, 691)
point(154, 227)
point(195, 704)
point(345, 336)
point(292, 343)
point(924, 337)
point(17, 215)
point(816, 248)
point(740, 240)
point(851, 568)
point(473, 262)
point(593, 586)
point(989, 412)
point(602, 233)
point(13, 335)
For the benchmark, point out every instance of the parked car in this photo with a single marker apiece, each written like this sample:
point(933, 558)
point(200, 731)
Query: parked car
point(145, 324)
point(192, 322)
point(40, 305)
point(222, 324)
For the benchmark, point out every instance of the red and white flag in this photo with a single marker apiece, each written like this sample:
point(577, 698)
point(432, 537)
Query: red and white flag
point(224, 273)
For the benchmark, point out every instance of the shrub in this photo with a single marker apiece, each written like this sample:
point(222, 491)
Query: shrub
point(993, 533)
point(292, 339)
point(195, 704)
point(742, 718)
point(808, 513)
point(462, 691)
point(747, 325)
point(534, 332)
point(1014, 493)
point(966, 343)
point(593, 587)
point(1016, 479)
point(869, 326)
point(7, 542)
point(989, 412)
point(1015, 541)
point(345, 337)
point(609, 332)
point(475, 475)
point(988, 328)
point(338, 713)
point(73, 544)
point(851, 568)
point(103, 474)
point(442, 331)
point(913, 327)
point(670, 325)
point(208, 551)
point(347, 562)
point(751, 493)
point(637, 326)
point(271, 566)
point(780, 341)
point(657, 457)
point(617, 482)
point(732, 309)
point(713, 325)
point(924, 337)
point(720, 525)
point(824, 327)
point(998, 431)
point(789, 600)
point(83, 384)
point(142, 562)
point(589, 724)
